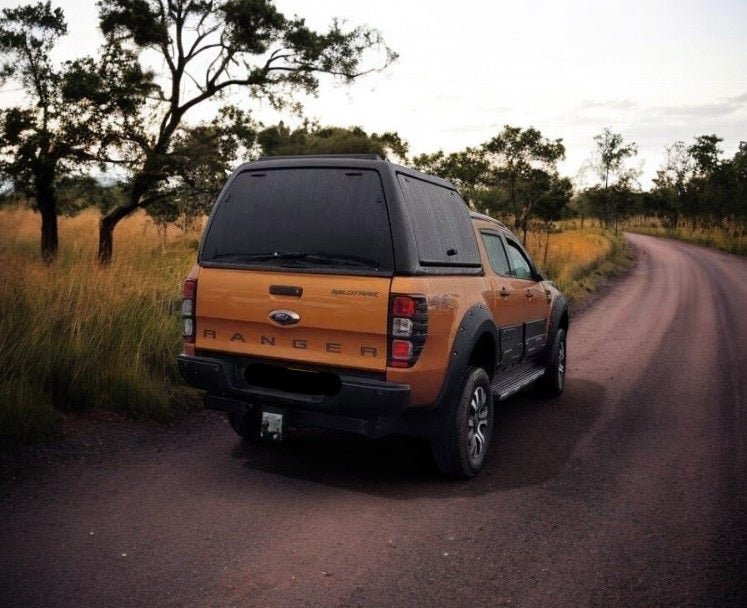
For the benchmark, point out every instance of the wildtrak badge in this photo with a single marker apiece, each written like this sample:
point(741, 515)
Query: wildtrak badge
point(355, 292)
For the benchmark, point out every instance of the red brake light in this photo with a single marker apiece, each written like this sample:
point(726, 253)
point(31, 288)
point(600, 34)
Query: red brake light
point(190, 286)
point(401, 349)
point(402, 306)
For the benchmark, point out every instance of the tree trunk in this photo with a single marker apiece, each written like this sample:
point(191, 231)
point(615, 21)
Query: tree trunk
point(49, 239)
point(142, 184)
point(106, 240)
point(106, 231)
point(46, 203)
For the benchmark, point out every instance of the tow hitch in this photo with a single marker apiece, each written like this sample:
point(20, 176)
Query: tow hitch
point(273, 425)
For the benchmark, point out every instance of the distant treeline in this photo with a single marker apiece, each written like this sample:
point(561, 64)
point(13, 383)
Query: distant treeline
point(112, 114)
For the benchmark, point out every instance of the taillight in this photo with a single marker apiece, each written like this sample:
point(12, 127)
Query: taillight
point(189, 299)
point(408, 328)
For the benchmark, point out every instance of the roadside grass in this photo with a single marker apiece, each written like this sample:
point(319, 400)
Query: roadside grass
point(77, 337)
point(580, 260)
point(729, 239)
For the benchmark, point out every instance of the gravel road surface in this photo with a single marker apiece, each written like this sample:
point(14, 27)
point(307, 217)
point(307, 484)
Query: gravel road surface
point(629, 490)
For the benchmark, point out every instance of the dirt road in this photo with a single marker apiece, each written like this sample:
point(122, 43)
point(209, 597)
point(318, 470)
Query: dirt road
point(629, 490)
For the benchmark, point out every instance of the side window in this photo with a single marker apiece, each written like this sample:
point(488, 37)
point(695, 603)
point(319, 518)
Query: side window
point(520, 266)
point(443, 229)
point(496, 253)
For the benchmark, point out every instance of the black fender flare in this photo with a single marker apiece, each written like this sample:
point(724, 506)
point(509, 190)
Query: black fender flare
point(477, 321)
point(559, 308)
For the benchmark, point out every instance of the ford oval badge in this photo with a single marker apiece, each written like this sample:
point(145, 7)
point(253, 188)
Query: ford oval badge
point(284, 317)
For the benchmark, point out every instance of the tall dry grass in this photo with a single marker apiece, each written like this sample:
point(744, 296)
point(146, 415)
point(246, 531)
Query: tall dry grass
point(75, 336)
point(577, 260)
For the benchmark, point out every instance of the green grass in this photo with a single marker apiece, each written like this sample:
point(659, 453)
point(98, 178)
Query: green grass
point(731, 240)
point(74, 336)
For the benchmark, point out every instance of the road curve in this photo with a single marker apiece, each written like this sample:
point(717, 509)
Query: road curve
point(629, 490)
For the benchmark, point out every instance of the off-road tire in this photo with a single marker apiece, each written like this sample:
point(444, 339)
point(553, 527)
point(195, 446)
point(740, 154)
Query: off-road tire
point(553, 382)
point(460, 446)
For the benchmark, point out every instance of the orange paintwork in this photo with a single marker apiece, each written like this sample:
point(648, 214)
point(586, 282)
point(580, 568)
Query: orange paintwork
point(344, 325)
point(343, 318)
point(449, 298)
point(515, 307)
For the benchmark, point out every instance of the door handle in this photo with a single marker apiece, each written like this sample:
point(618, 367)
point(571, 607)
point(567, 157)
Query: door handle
point(505, 291)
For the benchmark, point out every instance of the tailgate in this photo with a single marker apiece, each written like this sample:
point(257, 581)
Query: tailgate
point(335, 320)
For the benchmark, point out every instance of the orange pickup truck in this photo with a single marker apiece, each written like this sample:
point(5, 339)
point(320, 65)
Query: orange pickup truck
point(351, 293)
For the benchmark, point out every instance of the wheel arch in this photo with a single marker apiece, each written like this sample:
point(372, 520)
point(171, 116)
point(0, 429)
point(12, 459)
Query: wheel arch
point(484, 353)
point(476, 343)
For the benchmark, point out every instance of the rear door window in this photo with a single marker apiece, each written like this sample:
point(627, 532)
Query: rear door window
point(443, 228)
point(520, 265)
point(496, 253)
point(307, 217)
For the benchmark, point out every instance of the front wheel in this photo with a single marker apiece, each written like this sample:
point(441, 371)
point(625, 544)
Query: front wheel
point(552, 383)
point(462, 443)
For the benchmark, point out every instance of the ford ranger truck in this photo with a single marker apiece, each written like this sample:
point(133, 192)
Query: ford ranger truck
point(351, 293)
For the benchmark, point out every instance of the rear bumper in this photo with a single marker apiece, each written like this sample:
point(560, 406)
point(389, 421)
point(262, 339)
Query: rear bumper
point(360, 398)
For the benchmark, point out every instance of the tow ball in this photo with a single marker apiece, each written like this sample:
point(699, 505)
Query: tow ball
point(273, 426)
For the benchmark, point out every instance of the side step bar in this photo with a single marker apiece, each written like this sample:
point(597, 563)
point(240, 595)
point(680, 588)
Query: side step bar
point(511, 383)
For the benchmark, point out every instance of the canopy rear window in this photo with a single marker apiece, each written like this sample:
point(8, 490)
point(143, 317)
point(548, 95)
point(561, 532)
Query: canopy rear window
point(443, 228)
point(307, 217)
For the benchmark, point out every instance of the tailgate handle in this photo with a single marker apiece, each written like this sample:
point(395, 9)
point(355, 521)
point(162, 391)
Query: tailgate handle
point(286, 290)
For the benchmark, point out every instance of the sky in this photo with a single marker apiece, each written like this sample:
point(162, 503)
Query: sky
point(656, 71)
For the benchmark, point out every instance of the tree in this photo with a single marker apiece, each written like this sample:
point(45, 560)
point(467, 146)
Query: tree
point(523, 161)
point(553, 202)
point(208, 48)
point(467, 169)
point(31, 138)
point(671, 182)
point(76, 192)
point(55, 135)
point(706, 153)
point(314, 139)
point(583, 204)
point(202, 157)
point(739, 168)
point(609, 162)
point(709, 182)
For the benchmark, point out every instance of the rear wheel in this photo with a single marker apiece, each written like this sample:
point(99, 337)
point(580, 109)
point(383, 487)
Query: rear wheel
point(464, 438)
point(246, 422)
point(552, 383)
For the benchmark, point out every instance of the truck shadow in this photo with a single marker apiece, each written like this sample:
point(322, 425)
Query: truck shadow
point(533, 440)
